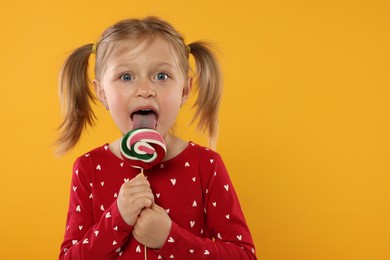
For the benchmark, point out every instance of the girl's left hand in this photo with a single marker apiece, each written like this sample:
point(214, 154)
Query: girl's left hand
point(152, 227)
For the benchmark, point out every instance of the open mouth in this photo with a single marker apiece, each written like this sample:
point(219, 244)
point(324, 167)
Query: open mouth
point(144, 118)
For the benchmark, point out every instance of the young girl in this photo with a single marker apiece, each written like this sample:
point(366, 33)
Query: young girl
point(183, 208)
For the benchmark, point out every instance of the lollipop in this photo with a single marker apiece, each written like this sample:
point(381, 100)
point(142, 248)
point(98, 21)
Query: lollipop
point(143, 148)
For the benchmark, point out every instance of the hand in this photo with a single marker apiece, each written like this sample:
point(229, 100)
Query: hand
point(134, 195)
point(152, 227)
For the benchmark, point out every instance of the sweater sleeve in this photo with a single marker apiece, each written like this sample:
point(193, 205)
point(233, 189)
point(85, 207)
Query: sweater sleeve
point(85, 237)
point(227, 231)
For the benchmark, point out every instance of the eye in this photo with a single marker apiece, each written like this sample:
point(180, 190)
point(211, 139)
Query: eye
point(126, 77)
point(161, 76)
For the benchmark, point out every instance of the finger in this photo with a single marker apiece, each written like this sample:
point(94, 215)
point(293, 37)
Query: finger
point(144, 194)
point(142, 202)
point(157, 208)
point(136, 189)
point(129, 188)
point(147, 211)
point(131, 195)
point(138, 180)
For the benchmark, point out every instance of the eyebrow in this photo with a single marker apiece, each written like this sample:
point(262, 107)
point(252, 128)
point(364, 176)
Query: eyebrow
point(157, 64)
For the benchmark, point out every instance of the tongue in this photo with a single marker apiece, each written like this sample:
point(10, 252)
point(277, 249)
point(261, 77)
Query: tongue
point(144, 121)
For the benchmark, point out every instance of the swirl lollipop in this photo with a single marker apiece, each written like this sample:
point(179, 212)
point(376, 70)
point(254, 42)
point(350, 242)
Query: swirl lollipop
point(143, 148)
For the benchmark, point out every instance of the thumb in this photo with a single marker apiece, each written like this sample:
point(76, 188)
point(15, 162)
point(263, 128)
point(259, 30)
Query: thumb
point(143, 203)
point(157, 208)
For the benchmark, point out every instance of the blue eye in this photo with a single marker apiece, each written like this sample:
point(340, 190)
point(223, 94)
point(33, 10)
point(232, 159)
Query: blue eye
point(162, 76)
point(126, 77)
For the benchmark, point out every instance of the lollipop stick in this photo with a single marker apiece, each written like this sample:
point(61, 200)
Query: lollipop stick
point(145, 248)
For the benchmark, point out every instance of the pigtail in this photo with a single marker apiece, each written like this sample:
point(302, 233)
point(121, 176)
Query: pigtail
point(75, 98)
point(209, 85)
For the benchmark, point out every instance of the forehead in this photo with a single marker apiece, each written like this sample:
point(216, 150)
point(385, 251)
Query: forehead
point(146, 50)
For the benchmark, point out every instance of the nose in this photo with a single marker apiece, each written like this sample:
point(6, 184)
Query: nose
point(145, 89)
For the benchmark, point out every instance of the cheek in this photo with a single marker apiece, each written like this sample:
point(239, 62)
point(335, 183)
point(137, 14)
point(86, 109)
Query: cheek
point(118, 106)
point(173, 100)
point(171, 106)
point(116, 99)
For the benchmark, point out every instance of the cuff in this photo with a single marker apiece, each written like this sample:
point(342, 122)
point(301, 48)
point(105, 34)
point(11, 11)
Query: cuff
point(118, 220)
point(171, 241)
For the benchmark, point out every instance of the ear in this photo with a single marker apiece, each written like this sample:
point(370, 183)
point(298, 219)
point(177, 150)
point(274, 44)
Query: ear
point(99, 90)
point(186, 91)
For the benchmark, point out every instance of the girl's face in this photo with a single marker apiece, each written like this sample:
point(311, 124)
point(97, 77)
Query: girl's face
point(143, 84)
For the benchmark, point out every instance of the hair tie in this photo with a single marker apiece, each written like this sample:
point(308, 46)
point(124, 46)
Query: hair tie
point(188, 48)
point(94, 47)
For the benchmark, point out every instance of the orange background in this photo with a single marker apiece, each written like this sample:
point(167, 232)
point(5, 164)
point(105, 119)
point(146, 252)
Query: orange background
point(304, 120)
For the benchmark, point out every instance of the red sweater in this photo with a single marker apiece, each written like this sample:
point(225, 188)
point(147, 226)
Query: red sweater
point(195, 190)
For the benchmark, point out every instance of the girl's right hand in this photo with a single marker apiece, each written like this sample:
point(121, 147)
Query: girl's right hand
point(134, 196)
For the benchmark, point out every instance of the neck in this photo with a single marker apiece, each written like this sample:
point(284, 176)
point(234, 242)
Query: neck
point(174, 145)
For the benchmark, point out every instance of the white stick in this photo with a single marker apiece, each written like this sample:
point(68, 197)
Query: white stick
point(145, 248)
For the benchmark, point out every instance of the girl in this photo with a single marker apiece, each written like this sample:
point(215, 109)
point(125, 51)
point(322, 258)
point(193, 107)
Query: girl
point(183, 208)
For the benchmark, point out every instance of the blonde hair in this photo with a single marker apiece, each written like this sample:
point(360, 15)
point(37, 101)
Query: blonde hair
point(76, 94)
